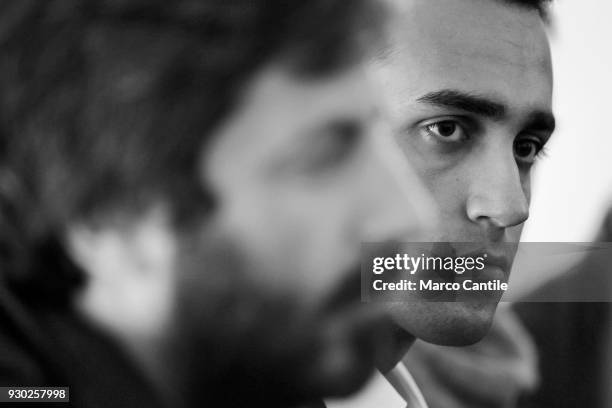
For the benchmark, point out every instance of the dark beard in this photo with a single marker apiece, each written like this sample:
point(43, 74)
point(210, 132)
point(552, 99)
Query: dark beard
point(239, 344)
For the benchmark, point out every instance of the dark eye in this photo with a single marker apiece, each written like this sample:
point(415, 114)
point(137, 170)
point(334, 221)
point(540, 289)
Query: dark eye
point(447, 130)
point(333, 144)
point(526, 150)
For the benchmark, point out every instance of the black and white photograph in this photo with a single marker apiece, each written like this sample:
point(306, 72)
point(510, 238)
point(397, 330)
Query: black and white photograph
point(305, 203)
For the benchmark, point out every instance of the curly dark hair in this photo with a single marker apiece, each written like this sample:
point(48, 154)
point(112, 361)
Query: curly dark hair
point(105, 104)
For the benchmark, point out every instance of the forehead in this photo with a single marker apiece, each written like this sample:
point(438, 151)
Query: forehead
point(479, 46)
point(284, 98)
point(279, 111)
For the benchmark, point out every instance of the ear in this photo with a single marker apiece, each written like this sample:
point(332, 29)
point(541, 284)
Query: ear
point(119, 248)
point(129, 264)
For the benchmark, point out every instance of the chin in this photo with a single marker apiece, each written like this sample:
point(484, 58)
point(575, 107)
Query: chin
point(446, 323)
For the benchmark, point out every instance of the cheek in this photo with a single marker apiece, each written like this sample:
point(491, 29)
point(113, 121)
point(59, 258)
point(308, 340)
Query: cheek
point(526, 185)
point(297, 240)
point(444, 176)
point(449, 189)
point(514, 233)
point(313, 238)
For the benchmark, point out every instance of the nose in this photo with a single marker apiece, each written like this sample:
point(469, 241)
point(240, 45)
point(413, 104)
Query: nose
point(401, 208)
point(497, 198)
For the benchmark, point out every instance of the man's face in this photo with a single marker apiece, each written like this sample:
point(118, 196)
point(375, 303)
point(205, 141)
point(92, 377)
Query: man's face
point(469, 88)
point(303, 171)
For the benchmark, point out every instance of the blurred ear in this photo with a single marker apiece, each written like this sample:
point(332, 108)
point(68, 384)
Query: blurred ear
point(129, 265)
point(123, 248)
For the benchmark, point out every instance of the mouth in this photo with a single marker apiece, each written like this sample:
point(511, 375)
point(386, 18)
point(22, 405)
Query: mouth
point(497, 260)
point(345, 303)
point(347, 292)
point(501, 261)
point(500, 257)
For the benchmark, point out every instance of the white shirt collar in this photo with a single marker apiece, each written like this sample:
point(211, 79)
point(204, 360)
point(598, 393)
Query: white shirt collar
point(396, 389)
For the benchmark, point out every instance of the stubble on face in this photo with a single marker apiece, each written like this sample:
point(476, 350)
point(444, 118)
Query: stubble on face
point(484, 50)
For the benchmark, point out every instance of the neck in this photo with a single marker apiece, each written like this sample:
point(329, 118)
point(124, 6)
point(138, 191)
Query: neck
point(141, 335)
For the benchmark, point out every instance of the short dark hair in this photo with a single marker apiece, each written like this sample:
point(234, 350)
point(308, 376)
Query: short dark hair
point(107, 104)
point(540, 5)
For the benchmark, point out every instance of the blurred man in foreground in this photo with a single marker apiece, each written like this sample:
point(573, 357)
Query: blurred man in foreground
point(183, 195)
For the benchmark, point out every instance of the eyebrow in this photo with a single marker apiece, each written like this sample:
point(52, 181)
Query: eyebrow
point(538, 120)
point(466, 102)
point(541, 121)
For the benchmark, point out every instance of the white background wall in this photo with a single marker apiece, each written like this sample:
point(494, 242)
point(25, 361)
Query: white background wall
point(572, 186)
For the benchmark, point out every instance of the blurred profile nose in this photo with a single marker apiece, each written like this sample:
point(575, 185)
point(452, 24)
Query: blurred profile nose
point(401, 207)
point(496, 197)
